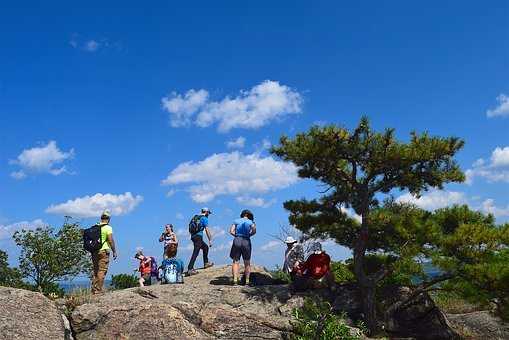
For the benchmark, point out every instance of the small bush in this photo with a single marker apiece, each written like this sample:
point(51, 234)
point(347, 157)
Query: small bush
point(342, 272)
point(123, 281)
point(317, 321)
point(280, 275)
point(75, 298)
point(452, 303)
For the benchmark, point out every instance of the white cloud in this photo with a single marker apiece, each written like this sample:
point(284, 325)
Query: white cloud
point(182, 108)
point(351, 213)
point(488, 206)
point(221, 247)
point(238, 143)
point(217, 232)
point(502, 110)
point(182, 232)
point(232, 174)
point(435, 199)
point(496, 170)
point(255, 201)
point(171, 192)
point(271, 245)
point(41, 159)
point(251, 109)
point(6, 231)
point(179, 216)
point(93, 206)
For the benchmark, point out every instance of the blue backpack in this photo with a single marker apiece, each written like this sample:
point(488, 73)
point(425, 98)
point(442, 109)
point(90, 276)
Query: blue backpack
point(172, 270)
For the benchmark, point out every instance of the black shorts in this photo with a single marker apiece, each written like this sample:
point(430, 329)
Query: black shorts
point(241, 247)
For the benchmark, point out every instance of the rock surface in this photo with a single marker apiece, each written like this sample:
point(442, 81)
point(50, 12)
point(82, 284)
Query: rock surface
point(29, 315)
point(205, 306)
point(480, 325)
point(421, 319)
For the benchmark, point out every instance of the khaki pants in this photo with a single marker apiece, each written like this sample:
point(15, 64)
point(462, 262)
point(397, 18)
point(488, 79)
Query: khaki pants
point(100, 261)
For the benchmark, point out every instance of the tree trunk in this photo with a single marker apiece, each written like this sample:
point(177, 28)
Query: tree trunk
point(369, 307)
point(367, 285)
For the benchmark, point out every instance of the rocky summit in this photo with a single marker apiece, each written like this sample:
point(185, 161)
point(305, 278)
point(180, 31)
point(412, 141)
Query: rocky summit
point(206, 306)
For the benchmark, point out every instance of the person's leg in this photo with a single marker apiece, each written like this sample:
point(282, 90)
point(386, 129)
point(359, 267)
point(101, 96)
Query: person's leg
point(235, 271)
point(247, 270)
point(95, 270)
point(205, 249)
point(104, 260)
point(246, 255)
point(141, 281)
point(197, 241)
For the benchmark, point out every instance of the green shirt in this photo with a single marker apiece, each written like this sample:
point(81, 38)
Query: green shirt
point(106, 230)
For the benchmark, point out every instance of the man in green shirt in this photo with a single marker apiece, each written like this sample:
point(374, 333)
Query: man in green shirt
point(101, 258)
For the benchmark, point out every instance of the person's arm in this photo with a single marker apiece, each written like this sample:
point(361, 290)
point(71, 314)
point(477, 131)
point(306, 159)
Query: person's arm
point(253, 229)
point(111, 242)
point(175, 238)
point(161, 239)
point(233, 230)
point(209, 236)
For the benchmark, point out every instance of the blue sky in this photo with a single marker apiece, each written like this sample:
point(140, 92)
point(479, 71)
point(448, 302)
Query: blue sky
point(132, 106)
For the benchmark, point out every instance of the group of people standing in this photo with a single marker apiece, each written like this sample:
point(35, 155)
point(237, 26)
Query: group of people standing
point(242, 229)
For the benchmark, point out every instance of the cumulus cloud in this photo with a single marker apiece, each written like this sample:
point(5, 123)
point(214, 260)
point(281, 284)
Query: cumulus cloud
point(435, 199)
point(250, 109)
point(47, 158)
point(255, 201)
point(232, 174)
point(179, 216)
point(271, 245)
point(494, 170)
point(93, 206)
point(217, 232)
point(488, 206)
point(91, 46)
point(238, 143)
point(222, 247)
point(502, 110)
point(183, 108)
point(6, 231)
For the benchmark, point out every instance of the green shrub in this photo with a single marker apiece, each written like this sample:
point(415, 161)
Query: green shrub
point(279, 274)
point(317, 321)
point(123, 281)
point(342, 272)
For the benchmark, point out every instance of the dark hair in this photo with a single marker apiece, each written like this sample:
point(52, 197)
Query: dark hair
point(247, 213)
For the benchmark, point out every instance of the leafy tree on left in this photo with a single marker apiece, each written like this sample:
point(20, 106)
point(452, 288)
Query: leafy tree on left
point(10, 277)
point(48, 256)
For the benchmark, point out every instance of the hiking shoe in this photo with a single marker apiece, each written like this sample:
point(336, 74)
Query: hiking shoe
point(208, 265)
point(191, 272)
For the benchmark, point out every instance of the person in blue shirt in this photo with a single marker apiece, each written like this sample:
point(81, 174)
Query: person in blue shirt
point(242, 229)
point(199, 244)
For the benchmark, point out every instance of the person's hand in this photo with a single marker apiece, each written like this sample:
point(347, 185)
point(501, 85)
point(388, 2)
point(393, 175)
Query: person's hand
point(210, 244)
point(114, 255)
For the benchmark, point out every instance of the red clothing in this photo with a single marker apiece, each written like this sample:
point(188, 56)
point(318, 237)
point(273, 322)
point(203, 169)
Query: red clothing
point(145, 265)
point(317, 265)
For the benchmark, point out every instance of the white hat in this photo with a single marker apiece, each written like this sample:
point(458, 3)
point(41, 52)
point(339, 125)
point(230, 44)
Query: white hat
point(290, 239)
point(106, 213)
point(205, 209)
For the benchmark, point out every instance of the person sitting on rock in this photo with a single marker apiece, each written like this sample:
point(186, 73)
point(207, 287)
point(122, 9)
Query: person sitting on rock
point(315, 272)
point(242, 229)
point(170, 241)
point(294, 255)
point(145, 268)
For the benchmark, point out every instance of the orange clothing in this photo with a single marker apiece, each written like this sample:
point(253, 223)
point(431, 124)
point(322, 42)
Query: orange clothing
point(145, 265)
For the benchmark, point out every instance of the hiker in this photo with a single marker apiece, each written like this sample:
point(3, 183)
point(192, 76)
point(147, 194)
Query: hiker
point(172, 270)
point(242, 229)
point(315, 272)
point(170, 241)
point(145, 269)
point(294, 255)
point(101, 256)
point(197, 225)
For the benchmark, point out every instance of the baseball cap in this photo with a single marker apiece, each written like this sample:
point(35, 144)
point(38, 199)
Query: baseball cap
point(205, 209)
